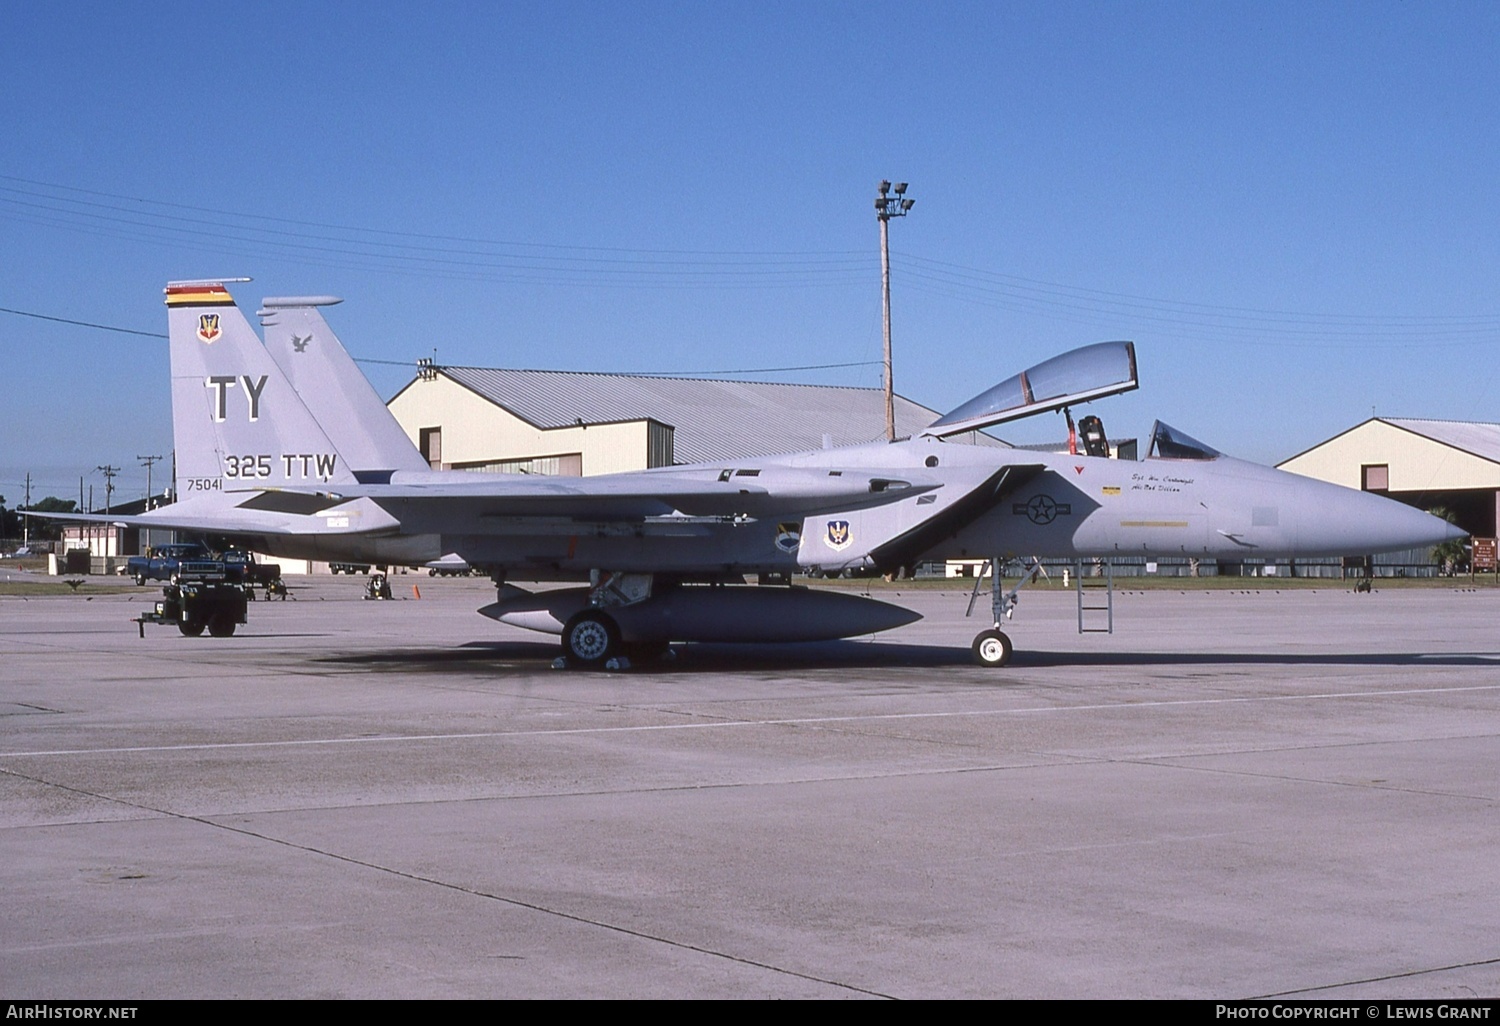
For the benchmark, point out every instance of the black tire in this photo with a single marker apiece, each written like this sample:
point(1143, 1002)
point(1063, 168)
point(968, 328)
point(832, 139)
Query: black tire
point(221, 625)
point(190, 628)
point(590, 638)
point(140, 580)
point(992, 648)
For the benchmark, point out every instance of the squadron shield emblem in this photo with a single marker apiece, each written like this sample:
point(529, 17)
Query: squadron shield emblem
point(208, 327)
point(788, 536)
point(839, 536)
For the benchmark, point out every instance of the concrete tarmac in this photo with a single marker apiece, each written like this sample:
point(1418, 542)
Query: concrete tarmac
point(1236, 795)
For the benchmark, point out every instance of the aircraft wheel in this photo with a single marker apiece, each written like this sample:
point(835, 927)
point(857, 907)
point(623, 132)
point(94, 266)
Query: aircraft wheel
point(220, 626)
point(590, 638)
point(992, 648)
point(190, 628)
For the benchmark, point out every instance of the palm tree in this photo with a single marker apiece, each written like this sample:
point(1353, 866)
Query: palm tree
point(1450, 555)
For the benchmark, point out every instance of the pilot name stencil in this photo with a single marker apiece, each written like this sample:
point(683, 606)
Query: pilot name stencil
point(1152, 483)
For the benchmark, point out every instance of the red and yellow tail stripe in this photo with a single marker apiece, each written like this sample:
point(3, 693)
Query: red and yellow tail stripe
point(198, 294)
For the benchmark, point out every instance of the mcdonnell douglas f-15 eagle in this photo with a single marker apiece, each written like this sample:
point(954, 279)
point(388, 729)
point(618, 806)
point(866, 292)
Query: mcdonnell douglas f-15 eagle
point(285, 447)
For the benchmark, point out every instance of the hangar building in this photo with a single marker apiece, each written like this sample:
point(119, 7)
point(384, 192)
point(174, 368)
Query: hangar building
point(1423, 463)
point(577, 423)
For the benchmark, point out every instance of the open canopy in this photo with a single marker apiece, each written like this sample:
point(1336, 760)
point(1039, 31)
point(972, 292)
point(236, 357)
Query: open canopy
point(1105, 368)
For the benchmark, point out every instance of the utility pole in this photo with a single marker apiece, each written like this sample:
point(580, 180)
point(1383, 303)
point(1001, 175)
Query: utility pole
point(148, 461)
point(26, 520)
point(888, 206)
point(109, 483)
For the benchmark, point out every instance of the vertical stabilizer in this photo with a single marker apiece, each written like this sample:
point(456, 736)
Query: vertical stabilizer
point(339, 396)
point(236, 422)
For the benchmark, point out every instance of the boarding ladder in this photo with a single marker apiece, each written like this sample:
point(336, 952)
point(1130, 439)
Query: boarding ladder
point(1096, 596)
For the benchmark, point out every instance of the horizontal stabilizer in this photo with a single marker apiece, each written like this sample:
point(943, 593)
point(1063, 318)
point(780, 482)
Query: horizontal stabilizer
point(249, 519)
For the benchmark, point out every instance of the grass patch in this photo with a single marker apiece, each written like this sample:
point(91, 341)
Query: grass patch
point(58, 586)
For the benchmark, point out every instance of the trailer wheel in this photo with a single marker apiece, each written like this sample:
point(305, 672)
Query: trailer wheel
point(191, 628)
point(221, 625)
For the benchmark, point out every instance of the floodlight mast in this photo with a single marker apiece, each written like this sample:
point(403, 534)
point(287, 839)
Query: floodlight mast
point(891, 202)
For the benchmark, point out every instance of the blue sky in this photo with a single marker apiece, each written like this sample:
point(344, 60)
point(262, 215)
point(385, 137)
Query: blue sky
point(1289, 207)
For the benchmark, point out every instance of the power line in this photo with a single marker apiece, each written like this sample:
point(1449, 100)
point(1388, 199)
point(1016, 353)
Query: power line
point(1198, 322)
point(1001, 280)
point(753, 370)
point(81, 324)
point(423, 235)
point(451, 257)
point(662, 374)
point(413, 363)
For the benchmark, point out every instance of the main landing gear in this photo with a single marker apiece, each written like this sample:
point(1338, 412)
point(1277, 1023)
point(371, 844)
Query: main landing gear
point(591, 639)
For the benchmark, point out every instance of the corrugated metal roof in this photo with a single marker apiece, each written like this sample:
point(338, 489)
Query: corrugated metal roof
point(1483, 440)
point(713, 420)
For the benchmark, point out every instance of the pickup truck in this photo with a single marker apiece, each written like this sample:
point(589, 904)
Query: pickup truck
point(240, 567)
point(164, 561)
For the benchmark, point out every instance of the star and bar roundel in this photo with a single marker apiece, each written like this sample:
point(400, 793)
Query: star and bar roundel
point(1041, 509)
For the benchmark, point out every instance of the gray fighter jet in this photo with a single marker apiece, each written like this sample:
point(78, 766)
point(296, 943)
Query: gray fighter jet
point(285, 447)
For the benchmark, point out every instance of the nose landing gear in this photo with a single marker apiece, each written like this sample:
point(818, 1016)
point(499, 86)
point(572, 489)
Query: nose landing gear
point(993, 647)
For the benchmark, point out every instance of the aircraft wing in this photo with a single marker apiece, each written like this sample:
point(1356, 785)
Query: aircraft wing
point(478, 499)
point(458, 506)
point(449, 505)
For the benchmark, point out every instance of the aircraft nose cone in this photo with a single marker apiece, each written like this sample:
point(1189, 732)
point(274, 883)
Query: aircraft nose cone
point(1390, 525)
point(1350, 522)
